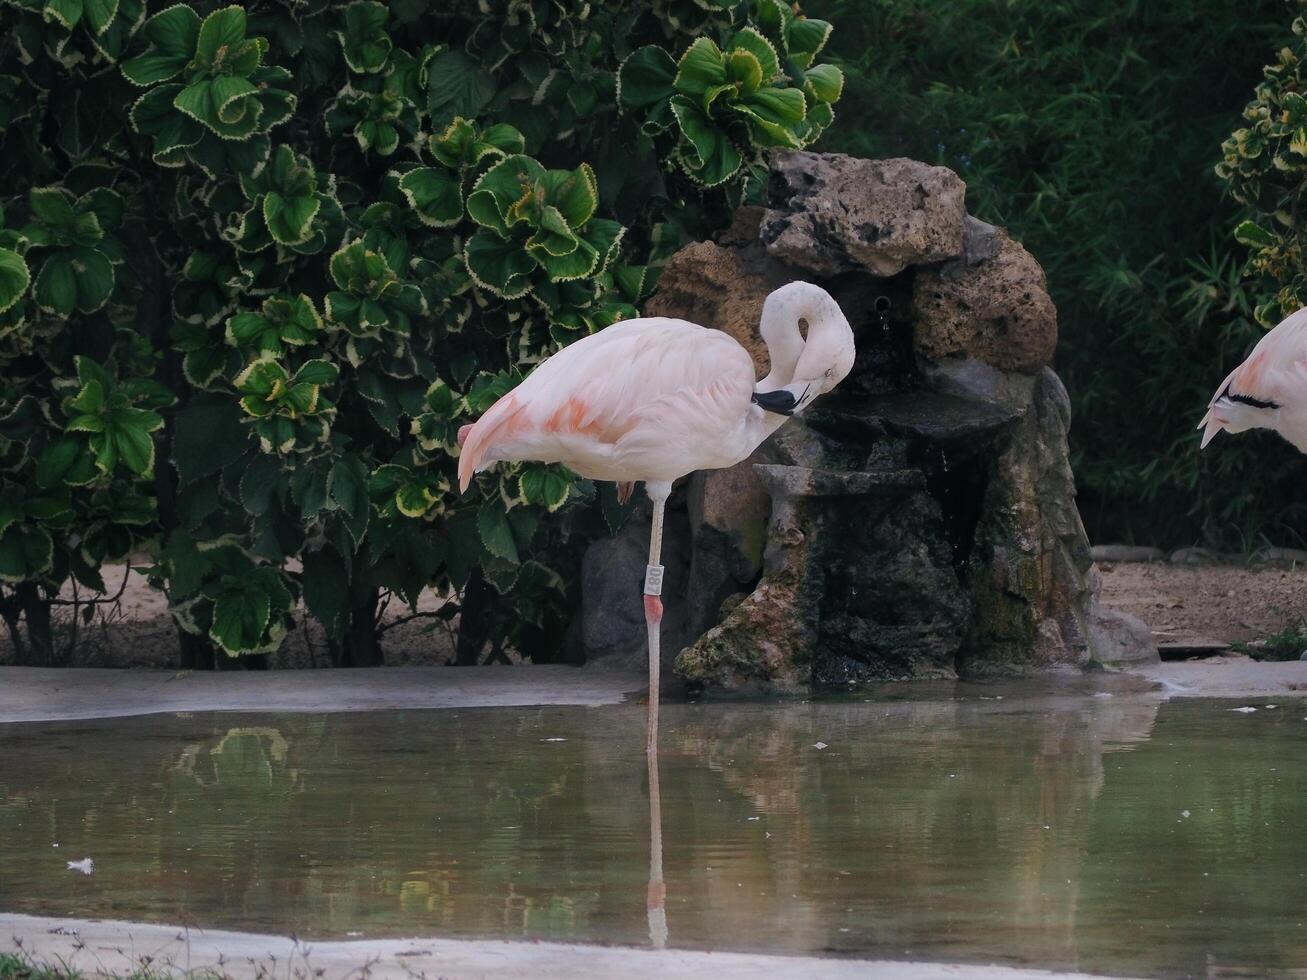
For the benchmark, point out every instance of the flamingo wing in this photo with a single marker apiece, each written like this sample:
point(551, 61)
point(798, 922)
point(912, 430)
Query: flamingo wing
point(1274, 372)
point(644, 399)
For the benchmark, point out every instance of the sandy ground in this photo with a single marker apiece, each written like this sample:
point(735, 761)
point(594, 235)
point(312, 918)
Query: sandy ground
point(121, 947)
point(1225, 602)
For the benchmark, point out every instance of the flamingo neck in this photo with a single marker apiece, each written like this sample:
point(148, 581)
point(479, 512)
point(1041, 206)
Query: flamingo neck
point(780, 331)
point(779, 326)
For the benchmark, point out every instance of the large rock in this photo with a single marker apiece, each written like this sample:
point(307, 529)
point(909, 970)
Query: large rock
point(721, 288)
point(991, 305)
point(1030, 562)
point(829, 213)
point(857, 586)
point(920, 521)
point(1121, 640)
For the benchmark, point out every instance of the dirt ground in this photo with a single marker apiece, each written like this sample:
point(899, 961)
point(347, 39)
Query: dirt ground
point(135, 630)
point(1225, 602)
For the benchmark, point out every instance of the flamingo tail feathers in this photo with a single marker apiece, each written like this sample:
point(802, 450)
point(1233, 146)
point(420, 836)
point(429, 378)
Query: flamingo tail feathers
point(479, 438)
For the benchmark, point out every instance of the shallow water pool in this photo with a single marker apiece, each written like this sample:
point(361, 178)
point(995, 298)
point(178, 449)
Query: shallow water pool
point(1113, 834)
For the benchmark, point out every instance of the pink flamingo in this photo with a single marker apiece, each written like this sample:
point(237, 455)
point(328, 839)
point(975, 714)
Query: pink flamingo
point(653, 399)
point(1267, 390)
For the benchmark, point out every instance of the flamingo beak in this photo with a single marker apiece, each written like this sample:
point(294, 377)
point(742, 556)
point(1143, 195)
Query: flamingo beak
point(1211, 424)
point(784, 401)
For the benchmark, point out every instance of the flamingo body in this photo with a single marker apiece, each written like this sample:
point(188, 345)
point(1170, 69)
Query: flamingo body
point(1268, 390)
point(645, 400)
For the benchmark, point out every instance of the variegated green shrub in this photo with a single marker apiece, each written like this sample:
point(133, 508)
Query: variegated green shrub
point(259, 262)
point(1264, 162)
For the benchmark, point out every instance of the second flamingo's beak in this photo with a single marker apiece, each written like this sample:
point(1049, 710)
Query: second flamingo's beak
point(1211, 424)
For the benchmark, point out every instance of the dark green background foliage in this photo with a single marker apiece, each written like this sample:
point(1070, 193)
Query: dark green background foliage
point(1091, 129)
point(259, 263)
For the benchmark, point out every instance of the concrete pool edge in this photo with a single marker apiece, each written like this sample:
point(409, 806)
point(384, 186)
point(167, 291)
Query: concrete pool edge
point(118, 948)
point(80, 693)
point(36, 694)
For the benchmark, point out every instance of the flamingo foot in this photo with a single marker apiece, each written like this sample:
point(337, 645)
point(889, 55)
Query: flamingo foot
point(653, 608)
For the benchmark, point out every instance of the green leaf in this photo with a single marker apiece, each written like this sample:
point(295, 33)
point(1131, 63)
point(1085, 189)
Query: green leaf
point(209, 436)
point(55, 290)
point(52, 512)
point(152, 68)
point(805, 39)
point(317, 372)
point(326, 590)
point(14, 278)
point(502, 267)
point(260, 482)
point(152, 115)
point(66, 13)
point(434, 194)
point(708, 154)
point(760, 48)
point(202, 366)
point(491, 202)
point(26, 553)
point(308, 487)
point(57, 460)
point(52, 206)
point(105, 204)
point(773, 114)
point(1252, 234)
point(574, 193)
point(131, 436)
point(93, 275)
point(11, 512)
point(496, 533)
point(826, 82)
point(222, 29)
point(501, 139)
point(1295, 104)
point(347, 488)
point(99, 14)
point(240, 616)
point(646, 78)
point(290, 219)
point(174, 31)
point(700, 69)
point(545, 486)
point(364, 41)
point(457, 86)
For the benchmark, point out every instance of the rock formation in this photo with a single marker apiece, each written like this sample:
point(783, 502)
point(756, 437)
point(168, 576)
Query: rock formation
point(918, 522)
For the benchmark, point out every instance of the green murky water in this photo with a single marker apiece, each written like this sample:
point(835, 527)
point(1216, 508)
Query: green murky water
point(1108, 834)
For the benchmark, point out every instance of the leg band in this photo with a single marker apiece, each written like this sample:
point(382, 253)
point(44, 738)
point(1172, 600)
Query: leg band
point(653, 580)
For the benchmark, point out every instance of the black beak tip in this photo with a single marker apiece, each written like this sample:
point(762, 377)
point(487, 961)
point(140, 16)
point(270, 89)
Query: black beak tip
point(778, 402)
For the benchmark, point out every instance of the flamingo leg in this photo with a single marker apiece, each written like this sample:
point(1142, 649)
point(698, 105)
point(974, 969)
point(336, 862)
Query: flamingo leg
point(653, 606)
point(656, 901)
